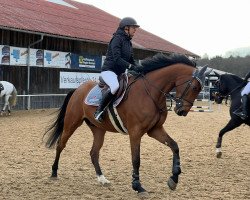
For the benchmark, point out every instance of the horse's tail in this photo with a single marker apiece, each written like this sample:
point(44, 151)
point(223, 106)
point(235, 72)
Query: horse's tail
point(13, 98)
point(56, 128)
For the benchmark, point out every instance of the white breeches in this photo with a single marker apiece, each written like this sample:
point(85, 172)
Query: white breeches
point(111, 80)
point(246, 89)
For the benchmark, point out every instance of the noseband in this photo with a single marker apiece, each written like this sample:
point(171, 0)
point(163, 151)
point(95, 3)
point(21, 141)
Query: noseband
point(179, 100)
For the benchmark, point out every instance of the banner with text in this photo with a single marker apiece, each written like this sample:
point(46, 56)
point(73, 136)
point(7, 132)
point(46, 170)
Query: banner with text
point(36, 57)
point(56, 59)
point(69, 80)
point(18, 56)
point(5, 54)
point(86, 62)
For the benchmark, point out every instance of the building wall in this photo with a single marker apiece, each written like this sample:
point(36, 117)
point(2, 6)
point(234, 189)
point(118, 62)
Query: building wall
point(45, 80)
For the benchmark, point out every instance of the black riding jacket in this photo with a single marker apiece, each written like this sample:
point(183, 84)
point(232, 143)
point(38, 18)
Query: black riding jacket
point(119, 54)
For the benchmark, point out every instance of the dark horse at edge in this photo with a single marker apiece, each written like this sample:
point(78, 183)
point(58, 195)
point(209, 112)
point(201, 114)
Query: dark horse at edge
point(232, 85)
point(143, 111)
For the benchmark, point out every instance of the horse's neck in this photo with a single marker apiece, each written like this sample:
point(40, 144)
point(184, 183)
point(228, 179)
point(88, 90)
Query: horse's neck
point(233, 87)
point(165, 78)
point(234, 91)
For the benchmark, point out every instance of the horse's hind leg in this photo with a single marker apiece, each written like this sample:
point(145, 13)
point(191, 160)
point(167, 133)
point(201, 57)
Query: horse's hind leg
point(69, 129)
point(61, 144)
point(135, 143)
point(160, 134)
point(98, 135)
point(232, 124)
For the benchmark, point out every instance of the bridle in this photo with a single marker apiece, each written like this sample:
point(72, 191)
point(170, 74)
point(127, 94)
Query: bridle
point(218, 84)
point(178, 100)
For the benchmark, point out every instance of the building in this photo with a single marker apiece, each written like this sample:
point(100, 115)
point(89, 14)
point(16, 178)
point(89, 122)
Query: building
point(51, 46)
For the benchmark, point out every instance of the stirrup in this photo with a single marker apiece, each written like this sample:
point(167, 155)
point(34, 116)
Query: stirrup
point(99, 116)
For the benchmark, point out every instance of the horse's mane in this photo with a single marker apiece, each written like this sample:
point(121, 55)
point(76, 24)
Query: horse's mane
point(160, 60)
point(232, 81)
point(231, 78)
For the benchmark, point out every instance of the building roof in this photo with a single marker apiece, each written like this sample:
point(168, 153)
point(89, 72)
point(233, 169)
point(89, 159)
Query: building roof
point(74, 20)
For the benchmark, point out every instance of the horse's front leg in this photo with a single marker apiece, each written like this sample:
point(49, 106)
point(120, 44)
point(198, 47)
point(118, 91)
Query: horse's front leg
point(6, 104)
point(3, 110)
point(160, 134)
point(98, 135)
point(232, 124)
point(135, 142)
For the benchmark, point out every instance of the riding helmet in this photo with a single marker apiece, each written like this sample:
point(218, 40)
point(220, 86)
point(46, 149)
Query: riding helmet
point(128, 21)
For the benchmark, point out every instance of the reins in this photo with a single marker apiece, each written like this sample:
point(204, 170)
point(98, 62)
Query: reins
point(148, 92)
point(167, 94)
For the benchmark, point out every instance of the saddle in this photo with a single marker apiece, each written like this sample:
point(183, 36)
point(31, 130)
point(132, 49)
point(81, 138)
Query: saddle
point(95, 94)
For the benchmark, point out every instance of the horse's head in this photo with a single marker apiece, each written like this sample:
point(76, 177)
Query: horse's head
point(187, 90)
point(226, 85)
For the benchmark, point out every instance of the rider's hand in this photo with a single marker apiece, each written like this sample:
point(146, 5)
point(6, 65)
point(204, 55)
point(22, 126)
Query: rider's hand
point(137, 68)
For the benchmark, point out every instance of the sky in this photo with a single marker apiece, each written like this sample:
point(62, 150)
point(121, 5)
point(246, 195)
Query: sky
point(201, 26)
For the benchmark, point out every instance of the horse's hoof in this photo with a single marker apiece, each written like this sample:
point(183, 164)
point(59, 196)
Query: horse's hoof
point(106, 184)
point(171, 184)
point(143, 195)
point(218, 154)
point(103, 181)
point(53, 178)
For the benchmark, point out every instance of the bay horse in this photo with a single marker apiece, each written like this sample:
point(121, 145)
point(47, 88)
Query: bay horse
point(9, 92)
point(229, 84)
point(143, 110)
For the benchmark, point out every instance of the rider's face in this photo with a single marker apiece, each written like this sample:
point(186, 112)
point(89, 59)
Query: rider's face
point(131, 30)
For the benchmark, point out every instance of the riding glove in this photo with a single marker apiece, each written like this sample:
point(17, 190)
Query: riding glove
point(137, 68)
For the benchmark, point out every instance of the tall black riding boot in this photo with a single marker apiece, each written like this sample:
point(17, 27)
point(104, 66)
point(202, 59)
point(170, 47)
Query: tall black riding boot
point(243, 114)
point(106, 99)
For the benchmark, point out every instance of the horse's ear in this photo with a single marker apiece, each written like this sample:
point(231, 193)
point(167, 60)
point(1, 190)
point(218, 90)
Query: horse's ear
point(200, 75)
point(203, 70)
point(208, 72)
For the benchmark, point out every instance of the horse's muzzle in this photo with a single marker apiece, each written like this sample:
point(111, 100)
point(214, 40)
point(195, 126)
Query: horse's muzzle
point(218, 100)
point(179, 108)
point(179, 111)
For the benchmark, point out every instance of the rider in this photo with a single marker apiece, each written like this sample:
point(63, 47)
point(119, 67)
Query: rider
point(119, 57)
point(244, 97)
